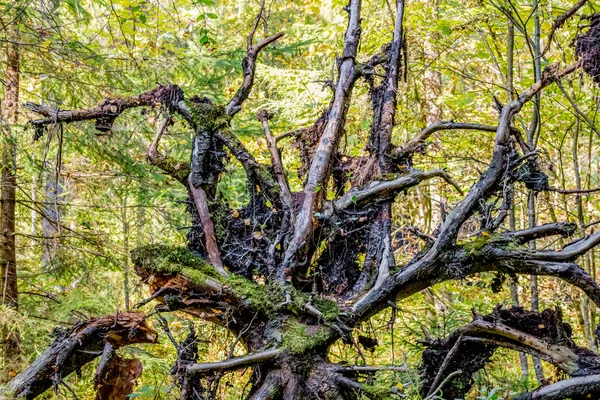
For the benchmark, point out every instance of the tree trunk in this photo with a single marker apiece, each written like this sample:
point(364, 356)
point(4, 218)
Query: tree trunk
point(8, 264)
point(52, 215)
point(125, 225)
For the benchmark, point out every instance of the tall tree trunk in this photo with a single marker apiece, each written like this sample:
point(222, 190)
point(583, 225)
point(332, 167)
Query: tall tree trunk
point(532, 136)
point(581, 222)
point(10, 105)
point(514, 282)
point(53, 192)
point(125, 222)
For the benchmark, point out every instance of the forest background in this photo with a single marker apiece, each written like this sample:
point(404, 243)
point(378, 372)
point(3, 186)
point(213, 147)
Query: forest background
point(84, 199)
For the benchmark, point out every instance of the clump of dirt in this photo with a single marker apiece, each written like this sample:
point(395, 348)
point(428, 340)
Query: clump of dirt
point(587, 47)
point(546, 325)
point(531, 174)
point(469, 358)
point(368, 343)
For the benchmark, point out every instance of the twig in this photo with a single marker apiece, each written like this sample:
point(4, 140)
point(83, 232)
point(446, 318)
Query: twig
point(249, 66)
point(560, 20)
point(448, 379)
point(572, 191)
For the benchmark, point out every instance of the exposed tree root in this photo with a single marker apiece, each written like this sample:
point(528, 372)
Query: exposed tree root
point(470, 347)
point(74, 348)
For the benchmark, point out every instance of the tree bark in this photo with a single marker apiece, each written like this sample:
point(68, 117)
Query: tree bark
point(8, 264)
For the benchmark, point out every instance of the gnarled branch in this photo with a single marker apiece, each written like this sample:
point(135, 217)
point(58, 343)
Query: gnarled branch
point(578, 386)
point(387, 189)
point(249, 66)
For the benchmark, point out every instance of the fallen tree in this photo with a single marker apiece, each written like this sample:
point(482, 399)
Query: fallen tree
point(288, 323)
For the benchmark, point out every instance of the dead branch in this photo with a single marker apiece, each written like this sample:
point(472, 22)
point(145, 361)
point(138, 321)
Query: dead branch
point(369, 369)
point(470, 347)
point(389, 189)
point(286, 195)
point(424, 265)
point(257, 174)
point(416, 144)
point(175, 169)
point(109, 109)
point(249, 66)
point(439, 380)
point(383, 119)
point(201, 203)
point(570, 252)
point(579, 386)
point(560, 21)
point(526, 235)
point(562, 356)
point(446, 380)
point(234, 363)
point(573, 191)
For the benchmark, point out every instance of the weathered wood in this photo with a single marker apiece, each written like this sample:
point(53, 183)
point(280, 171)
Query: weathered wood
point(73, 349)
point(278, 314)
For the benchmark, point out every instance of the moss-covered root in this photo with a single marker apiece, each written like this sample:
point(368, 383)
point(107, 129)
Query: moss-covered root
point(172, 260)
point(299, 338)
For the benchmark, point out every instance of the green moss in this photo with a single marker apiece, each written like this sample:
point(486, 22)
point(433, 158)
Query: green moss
point(476, 243)
point(385, 384)
point(208, 116)
point(175, 168)
point(378, 391)
point(173, 260)
point(329, 308)
point(262, 298)
point(259, 297)
point(297, 339)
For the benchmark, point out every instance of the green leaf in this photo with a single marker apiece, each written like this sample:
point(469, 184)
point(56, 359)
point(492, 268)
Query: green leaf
point(212, 16)
point(143, 18)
